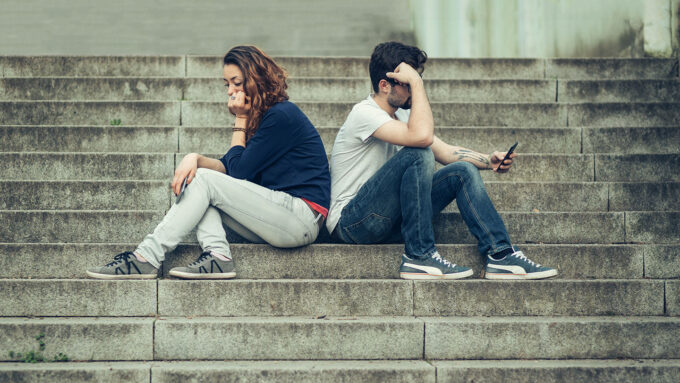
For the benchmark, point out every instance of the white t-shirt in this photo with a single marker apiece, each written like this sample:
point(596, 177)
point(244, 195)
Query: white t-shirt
point(356, 155)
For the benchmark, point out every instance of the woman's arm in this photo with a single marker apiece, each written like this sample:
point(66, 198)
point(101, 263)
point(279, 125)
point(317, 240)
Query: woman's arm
point(187, 169)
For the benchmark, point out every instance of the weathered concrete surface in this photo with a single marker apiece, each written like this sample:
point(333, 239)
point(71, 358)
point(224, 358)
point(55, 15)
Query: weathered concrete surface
point(637, 167)
point(540, 227)
point(656, 140)
point(87, 166)
point(75, 372)
point(673, 298)
point(84, 195)
point(662, 261)
point(93, 89)
point(295, 371)
point(619, 91)
point(595, 371)
point(82, 66)
point(453, 114)
point(552, 338)
point(624, 114)
point(285, 298)
point(546, 167)
point(149, 113)
point(77, 226)
point(653, 227)
point(549, 297)
point(77, 298)
point(249, 338)
point(335, 261)
point(611, 68)
point(82, 339)
point(88, 139)
point(644, 196)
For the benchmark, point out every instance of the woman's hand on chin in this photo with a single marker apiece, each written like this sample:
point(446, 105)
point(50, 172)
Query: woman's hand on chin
point(185, 169)
point(239, 104)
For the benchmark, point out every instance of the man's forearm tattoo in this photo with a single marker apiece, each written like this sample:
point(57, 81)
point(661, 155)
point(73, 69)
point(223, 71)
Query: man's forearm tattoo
point(464, 154)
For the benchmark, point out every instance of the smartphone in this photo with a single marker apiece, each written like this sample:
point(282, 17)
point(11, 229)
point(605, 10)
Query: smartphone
point(181, 191)
point(507, 155)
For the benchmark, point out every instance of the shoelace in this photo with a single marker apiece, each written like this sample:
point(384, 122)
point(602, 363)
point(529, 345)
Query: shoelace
point(201, 257)
point(120, 258)
point(520, 255)
point(439, 259)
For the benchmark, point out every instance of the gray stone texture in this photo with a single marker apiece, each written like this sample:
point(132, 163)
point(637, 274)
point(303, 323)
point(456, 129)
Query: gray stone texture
point(653, 196)
point(624, 114)
point(248, 338)
point(552, 338)
point(88, 139)
point(151, 113)
point(82, 339)
point(93, 66)
point(83, 195)
point(653, 227)
point(619, 91)
point(77, 298)
point(637, 167)
point(77, 226)
point(546, 167)
point(75, 372)
point(295, 371)
point(611, 68)
point(658, 140)
point(550, 371)
point(662, 261)
point(550, 297)
point(673, 298)
point(93, 89)
point(285, 298)
point(87, 166)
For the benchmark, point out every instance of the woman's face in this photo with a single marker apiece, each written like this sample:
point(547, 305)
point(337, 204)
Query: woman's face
point(233, 79)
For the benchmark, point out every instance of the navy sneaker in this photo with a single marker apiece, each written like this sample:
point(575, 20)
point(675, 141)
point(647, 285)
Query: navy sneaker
point(516, 266)
point(124, 266)
point(206, 267)
point(434, 267)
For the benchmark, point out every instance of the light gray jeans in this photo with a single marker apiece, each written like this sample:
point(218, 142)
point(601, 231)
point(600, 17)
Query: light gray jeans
point(256, 213)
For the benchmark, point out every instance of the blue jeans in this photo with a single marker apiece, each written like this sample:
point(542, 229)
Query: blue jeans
point(399, 200)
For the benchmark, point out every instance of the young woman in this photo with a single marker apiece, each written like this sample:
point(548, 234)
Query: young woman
point(272, 185)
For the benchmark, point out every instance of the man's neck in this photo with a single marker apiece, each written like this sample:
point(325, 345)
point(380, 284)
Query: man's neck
point(384, 105)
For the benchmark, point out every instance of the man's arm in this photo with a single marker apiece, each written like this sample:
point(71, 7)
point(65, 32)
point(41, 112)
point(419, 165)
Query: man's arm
point(419, 130)
point(446, 154)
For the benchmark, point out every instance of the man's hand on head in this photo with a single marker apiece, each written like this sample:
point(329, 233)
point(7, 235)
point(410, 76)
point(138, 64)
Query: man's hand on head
point(405, 73)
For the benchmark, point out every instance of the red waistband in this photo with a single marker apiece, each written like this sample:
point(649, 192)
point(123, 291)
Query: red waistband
point(317, 208)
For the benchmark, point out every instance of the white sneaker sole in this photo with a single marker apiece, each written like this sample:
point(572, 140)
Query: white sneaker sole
point(120, 276)
point(183, 275)
point(425, 276)
point(510, 276)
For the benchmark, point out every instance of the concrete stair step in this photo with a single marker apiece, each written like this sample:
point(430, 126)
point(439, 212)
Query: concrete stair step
point(284, 371)
point(340, 261)
point(631, 140)
point(406, 371)
point(114, 226)
point(507, 196)
point(346, 338)
point(209, 66)
point(338, 89)
point(371, 297)
point(638, 167)
point(618, 90)
point(88, 166)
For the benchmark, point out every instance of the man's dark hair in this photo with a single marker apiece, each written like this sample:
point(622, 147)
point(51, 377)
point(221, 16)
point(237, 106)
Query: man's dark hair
point(387, 56)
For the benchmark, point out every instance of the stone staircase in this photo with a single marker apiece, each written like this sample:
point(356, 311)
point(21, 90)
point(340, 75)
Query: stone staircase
point(88, 145)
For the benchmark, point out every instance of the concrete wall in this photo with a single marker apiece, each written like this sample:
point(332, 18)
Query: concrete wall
point(544, 28)
point(291, 27)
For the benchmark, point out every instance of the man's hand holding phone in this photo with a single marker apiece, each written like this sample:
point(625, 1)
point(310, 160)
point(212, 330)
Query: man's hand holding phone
point(502, 161)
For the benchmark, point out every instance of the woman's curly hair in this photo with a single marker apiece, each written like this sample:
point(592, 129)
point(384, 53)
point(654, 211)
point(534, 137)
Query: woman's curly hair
point(264, 82)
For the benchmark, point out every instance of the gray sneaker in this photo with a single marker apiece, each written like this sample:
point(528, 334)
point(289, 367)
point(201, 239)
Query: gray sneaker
point(124, 266)
point(206, 267)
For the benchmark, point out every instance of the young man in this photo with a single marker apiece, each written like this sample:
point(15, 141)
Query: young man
point(381, 192)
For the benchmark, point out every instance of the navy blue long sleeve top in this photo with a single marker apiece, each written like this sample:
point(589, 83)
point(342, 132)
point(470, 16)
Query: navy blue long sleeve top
point(285, 154)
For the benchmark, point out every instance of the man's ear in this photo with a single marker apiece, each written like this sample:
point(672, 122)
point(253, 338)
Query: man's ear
point(384, 86)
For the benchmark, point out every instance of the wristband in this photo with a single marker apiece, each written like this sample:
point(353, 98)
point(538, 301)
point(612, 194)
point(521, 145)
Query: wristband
point(238, 130)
